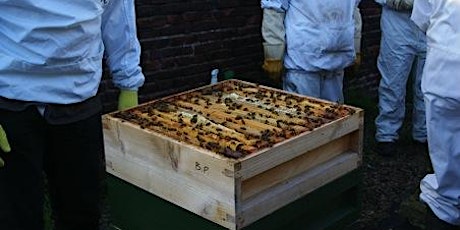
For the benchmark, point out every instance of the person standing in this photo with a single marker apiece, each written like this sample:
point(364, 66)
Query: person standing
point(314, 40)
point(402, 53)
point(51, 56)
point(440, 87)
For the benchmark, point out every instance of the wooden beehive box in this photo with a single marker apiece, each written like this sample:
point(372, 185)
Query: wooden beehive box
point(233, 152)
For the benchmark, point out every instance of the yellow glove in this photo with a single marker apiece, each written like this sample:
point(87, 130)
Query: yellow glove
point(127, 99)
point(273, 68)
point(273, 62)
point(4, 145)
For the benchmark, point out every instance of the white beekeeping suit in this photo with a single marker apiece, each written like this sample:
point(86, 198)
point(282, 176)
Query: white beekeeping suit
point(319, 39)
point(402, 50)
point(440, 85)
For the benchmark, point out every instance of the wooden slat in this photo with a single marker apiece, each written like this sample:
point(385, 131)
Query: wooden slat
point(258, 163)
point(285, 172)
point(265, 203)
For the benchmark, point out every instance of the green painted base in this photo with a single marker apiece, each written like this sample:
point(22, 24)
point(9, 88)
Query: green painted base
point(332, 206)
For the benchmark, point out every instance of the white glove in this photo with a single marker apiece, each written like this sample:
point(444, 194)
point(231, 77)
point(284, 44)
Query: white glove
point(400, 4)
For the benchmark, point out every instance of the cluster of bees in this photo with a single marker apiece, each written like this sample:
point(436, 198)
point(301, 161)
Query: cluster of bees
point(234, 118)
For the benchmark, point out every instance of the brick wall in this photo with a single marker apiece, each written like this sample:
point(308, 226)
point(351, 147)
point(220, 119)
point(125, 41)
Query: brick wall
point(182, 41)
point(368, 76)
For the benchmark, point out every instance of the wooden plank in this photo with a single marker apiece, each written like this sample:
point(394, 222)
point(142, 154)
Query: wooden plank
point(294, 167)
point(199, 199)
point(183, 175)
point(265, 203)
point(255, 164)
point(358, 137)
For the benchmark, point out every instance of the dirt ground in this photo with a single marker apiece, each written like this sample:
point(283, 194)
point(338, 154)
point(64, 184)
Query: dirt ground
point(388, 181)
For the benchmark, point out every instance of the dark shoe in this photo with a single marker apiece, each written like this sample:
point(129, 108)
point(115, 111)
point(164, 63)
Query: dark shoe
point(386, 149)
point(433, 222)
point(413, 210)
point(419, 215)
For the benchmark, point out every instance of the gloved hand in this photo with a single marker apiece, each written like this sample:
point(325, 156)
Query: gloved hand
point(273, 34)
point(273, 68)
point(400, 4)
point(273, 64)
point(127, 99)
point(4, 145)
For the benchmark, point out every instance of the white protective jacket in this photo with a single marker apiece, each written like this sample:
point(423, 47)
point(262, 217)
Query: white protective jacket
point(319, 35)
point(440, 19)
point(51, 51)
point(440, 86)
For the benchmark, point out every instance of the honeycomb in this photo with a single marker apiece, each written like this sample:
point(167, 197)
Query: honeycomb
point(234, 118)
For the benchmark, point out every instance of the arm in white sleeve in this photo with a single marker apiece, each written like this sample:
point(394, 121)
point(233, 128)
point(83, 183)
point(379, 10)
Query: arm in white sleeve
point(122, 48)
point(273, 33)
point(421, 14)
point(358, 29)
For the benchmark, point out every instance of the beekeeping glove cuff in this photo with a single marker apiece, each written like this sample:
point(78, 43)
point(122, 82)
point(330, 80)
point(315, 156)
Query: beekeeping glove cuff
point(400, 4)
point(4, 144)
point(273, 62)
point(273, 30)
point(127, 99)
point(273, 33)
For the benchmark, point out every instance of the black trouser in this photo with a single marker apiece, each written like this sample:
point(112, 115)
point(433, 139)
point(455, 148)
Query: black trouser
point(72, 159)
